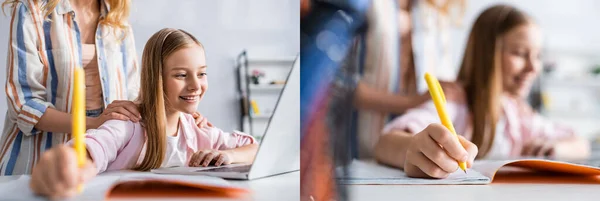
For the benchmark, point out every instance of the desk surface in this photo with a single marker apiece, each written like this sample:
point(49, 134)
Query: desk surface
point(279, 187)
point(492, 192)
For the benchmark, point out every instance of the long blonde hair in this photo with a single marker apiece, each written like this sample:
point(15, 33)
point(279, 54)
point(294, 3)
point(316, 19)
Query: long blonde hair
point(116, 17)
point(481, 70)
point(447, 7)
point(152, 95)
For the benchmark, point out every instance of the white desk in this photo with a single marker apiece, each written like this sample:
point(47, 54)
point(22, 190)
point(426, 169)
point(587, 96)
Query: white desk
point(499, 192)
point(493, 192)
point(280, 187)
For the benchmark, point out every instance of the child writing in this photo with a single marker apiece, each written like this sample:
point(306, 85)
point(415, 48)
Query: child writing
point(174, 81)
point(501, 60)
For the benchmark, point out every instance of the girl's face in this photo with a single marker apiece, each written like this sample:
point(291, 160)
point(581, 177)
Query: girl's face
point(185, 79)
point(521, 59)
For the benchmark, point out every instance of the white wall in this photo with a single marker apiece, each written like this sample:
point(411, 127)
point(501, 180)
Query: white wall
point(225, 27)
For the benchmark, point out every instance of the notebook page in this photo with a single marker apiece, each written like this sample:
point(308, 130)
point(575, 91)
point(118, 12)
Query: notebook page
point(367, 172)
point(19, 189)
point(488, 168)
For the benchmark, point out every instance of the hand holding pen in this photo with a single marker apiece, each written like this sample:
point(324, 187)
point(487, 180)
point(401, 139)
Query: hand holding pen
point(438, 151)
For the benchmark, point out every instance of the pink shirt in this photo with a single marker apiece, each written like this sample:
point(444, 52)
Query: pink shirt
point(517, 125)
point(118, 145)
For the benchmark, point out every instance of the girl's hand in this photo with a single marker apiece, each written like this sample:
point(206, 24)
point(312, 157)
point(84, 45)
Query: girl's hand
point(540, 148)
point(56, 174)
point(201, 121)
point(434, 152)
point(207, 157)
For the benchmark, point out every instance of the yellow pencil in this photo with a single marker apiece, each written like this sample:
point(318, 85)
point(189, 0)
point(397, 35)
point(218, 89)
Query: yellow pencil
point(78, 112)
point(437, 95)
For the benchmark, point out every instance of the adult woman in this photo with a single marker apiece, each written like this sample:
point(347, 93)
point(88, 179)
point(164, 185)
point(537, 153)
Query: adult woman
point(48, 40)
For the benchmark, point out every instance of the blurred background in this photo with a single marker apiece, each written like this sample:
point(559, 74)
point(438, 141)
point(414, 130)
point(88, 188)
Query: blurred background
point(387, 43)
point(569, 86)
point(227, 28)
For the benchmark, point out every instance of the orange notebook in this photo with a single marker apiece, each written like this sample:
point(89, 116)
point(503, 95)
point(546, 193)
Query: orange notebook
point(173, 187)
point(482, 172)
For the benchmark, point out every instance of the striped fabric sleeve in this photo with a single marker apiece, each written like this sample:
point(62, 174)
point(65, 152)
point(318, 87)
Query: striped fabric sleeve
point(26, 72)
point(133, 72)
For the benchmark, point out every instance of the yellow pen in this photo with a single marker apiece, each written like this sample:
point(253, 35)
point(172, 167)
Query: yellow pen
point(437, 95)
point(78, 118)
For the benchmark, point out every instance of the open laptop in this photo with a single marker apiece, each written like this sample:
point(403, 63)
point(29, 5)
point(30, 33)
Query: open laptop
point(279, 150)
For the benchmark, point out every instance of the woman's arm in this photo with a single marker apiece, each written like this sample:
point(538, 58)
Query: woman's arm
point(368, 98)
point(57, 121)
point(27, 71)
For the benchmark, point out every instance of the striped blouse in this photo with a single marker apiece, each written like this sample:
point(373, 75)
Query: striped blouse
point(41, 58)
point(380, 70)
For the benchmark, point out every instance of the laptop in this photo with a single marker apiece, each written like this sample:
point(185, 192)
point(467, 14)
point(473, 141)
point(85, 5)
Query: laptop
point(279, 150)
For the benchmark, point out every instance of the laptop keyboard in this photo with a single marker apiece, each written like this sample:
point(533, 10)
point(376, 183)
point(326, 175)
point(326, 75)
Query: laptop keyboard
point(241, 169)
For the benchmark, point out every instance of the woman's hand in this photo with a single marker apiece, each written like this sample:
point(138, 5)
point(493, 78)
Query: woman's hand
point(119, 110)
point(56, 174)
point(201, 121)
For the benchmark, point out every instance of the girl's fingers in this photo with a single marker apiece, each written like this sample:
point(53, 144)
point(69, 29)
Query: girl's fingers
point(49, 177)
point(38, 185)
point(87, 172)
point(532, 148)
point(67, 166)
point(471, 149)
point(442, 136)
point(427, 166)
point(545, 149)
point(438, 156)
point(220, 160)
point(208, 158)
point(198, 160)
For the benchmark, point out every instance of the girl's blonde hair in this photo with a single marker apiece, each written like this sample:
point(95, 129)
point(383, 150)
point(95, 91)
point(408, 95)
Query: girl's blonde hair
point(116, 17)
point(481, 70)
point(152, 95)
